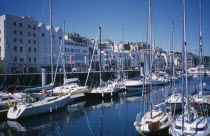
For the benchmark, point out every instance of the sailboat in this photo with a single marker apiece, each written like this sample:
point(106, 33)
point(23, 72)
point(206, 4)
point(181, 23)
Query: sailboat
point(70, 85)
point(188, 123)
point(175, 99)
point(120, 78)
point(104, 90)
point(203, 94)
point(155, 119)
point(37, 103)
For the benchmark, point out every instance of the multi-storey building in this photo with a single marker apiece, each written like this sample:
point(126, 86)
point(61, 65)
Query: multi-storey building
point(45, 46)
point(118, 59)
point(76, 51)
point(19, 44)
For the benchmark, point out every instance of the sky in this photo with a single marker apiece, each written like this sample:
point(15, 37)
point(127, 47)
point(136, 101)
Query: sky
point(84, 17)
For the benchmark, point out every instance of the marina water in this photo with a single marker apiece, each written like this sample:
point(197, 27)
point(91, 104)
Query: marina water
point(108, 117)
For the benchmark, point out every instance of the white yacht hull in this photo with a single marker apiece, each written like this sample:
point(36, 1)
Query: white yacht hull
point(174, 101)
point(198, 127)
point(143, 127)
point(134, 85)
point(23, 111)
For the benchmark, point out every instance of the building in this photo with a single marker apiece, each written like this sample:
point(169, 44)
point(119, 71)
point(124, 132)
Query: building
point(76, 52)
point(45, 46)
point(19, 44)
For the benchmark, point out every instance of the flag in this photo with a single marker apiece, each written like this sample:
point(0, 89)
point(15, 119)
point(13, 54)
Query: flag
point(110, 61)
point(70, 61)
point(158, 98)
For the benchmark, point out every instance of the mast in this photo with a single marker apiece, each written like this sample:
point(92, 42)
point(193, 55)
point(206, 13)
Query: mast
point(122, 35)
point(184, 66)
point(185, 61)
point(200, 51)
point(51, 46)
point(172, 46)
point(150, 43)
point(172, 82)
point(100, 54)
point(5, 73)
point(122, 61)
point(64, 63)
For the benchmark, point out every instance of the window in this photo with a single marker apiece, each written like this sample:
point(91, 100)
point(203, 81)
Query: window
point(29, 41)
point(60, 37)
point(29, 59)
point(84, 51)
point(45, 60)
point(45, 50)
point(77, 50)
point(43, 34)
point(53, 36)
point(21, 48)
point(34, 49)
point(29, 33)
point(34, 42)
point(14, 23)
point(15, 59)
point(21, 59)
point(21, 40)
point(21, 33)
point(15, 48)
point(15, 39)
point(34, 59)
point(29, 49)
point(20, 24)
point(34, 35)
point(34, 27)
point(15, 32)
point(29, 26)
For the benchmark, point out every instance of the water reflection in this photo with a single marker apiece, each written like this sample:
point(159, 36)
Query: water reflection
point(94, 116)
point(90, 117)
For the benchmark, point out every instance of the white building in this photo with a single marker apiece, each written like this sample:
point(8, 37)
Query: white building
point(76, 54)
point(45, 46)
point(118, 59)
point(19, 43)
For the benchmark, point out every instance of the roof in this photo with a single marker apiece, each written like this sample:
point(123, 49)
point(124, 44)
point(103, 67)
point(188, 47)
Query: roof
point(40, 24)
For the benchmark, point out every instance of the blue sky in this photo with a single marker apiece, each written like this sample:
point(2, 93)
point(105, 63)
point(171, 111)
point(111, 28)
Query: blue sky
point(84, 16)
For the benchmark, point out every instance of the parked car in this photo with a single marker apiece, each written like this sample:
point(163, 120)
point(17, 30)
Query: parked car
point(75, 70)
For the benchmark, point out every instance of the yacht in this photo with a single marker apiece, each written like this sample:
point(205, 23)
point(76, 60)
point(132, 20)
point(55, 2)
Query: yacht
point(104, 90)
point(194, 125)
point(37, 103)
point(158, 121)
point(195, 71)
point(135, 84)
point(70, 87)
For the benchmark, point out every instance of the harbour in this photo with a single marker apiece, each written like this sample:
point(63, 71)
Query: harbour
point(54, 81)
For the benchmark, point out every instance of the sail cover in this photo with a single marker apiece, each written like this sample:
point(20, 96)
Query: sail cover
point(66, 81)
point(39, 88)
